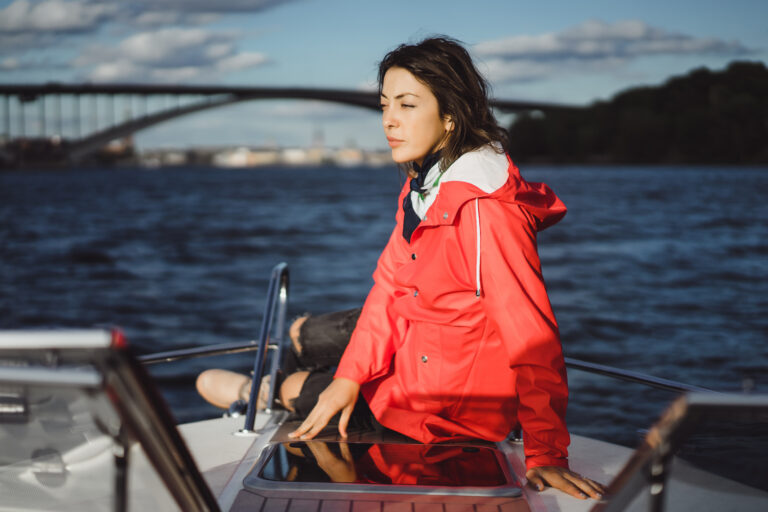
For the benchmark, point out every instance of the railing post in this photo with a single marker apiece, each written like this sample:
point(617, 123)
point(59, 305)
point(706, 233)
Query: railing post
point(658, 480)
point(277, 284)
point(280, 341)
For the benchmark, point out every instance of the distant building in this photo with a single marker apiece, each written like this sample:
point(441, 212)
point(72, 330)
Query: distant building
point(245, 157)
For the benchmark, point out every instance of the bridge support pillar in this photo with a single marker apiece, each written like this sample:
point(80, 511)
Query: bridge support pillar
point(41, 107)
point(76, 115)
point(94, 113)
point(59, 123)
point(7, 116)
point(21, 113)
point(111, 110)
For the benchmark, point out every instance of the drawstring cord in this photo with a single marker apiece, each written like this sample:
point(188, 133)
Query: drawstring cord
point(477, 264)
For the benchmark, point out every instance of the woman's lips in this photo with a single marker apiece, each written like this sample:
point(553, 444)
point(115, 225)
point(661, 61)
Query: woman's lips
point(393, 143)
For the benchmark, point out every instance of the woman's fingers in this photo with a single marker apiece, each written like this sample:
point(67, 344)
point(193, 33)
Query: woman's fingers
point(301, 430)
point(344, 420)
point(340, 395)
point(566, 481)
point(316, 429)
point(534, 480)
point(559, 482)
point(315, 422)
point(320, 450)
point(308, 423)
point(593, 489)
point(345, 453)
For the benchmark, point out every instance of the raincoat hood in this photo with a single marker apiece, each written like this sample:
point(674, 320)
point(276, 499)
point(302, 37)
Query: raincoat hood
point(486, 173)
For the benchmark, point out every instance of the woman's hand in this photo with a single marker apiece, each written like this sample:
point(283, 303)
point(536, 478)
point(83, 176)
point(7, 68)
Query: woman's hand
point(340, 395)
point(565, 480)
point(338, 469)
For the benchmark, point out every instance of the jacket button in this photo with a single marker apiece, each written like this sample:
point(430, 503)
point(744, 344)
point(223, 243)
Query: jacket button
point(445, 215)
point(424, 359)
point(413, 256)
point(415, 293)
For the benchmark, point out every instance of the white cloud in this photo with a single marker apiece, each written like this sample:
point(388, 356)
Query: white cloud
point(9, 64)
point(191, 12)
point(54, 16)
point(591, 46)
point(115, 70)
point(170, 45)
point(34, 24)
point(156, 18)
point(26, 25)
point(367, 86)
point(86, 15)
point(500, 70)
point(208, 6)
point(177, 74)
point(167, 55)
point(241, 61)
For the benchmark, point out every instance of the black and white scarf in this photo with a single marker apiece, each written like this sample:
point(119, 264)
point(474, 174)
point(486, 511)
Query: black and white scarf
point(411, 218)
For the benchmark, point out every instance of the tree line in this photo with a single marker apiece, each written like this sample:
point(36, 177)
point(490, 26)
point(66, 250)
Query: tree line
point(717, 117)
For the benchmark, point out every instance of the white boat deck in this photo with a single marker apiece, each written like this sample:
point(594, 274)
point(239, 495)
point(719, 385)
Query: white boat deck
point(225, 459)
point(91, 433)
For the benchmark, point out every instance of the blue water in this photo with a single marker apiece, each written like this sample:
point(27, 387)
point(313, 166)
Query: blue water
point(660, 270)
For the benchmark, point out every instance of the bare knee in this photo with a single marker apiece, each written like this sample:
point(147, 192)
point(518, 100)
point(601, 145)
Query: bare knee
point(291, 388)
point(222, 387)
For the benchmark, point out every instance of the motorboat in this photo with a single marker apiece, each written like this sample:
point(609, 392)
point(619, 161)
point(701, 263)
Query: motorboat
point(83, 427)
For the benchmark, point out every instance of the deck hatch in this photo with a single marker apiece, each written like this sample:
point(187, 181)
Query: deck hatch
point(382, 468)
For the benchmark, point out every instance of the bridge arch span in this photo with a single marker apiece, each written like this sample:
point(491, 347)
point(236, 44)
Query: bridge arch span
point(215, 97)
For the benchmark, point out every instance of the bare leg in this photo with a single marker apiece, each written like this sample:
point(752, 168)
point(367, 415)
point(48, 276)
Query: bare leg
point(222, 387)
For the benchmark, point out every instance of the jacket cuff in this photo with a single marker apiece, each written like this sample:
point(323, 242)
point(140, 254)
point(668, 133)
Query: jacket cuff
point(344, 373)
point(545, 460)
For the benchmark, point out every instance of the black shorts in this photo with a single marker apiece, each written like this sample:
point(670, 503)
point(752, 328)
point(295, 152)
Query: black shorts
point(323, 338)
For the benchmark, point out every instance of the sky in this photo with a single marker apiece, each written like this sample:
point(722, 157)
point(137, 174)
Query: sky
point(564, 51)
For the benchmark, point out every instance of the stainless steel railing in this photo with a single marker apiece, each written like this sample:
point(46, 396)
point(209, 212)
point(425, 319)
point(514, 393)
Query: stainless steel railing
point(208, 350)
point(648, 470)
point(632, 376)
point(276, 305)
point(272, 328)
point(574, 364)
point(275, 311)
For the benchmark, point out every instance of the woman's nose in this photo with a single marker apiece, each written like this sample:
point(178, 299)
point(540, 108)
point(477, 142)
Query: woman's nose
point(387, 119)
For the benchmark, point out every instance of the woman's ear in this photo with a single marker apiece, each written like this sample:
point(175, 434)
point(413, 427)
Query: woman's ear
point(448, 123)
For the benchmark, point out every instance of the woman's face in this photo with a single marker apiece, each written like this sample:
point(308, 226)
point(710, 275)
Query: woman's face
point(411, 117)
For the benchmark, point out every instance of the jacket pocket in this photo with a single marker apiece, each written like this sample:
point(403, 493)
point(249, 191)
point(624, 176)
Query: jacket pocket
point(419, 364)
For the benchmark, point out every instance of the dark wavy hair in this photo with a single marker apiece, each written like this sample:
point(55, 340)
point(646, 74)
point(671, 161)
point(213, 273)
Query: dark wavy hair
point(443, 65)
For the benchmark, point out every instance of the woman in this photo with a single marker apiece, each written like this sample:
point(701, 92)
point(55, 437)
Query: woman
point(457, 338)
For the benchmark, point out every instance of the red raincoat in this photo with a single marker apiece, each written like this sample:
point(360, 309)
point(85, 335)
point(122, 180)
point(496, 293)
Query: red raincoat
point(457, 338)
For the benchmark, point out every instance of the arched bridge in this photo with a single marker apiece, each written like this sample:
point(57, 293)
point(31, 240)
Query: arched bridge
point(185, 99)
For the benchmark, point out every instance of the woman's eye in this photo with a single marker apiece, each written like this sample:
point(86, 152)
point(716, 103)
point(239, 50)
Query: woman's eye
point(383, 106)
point(407, 105)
